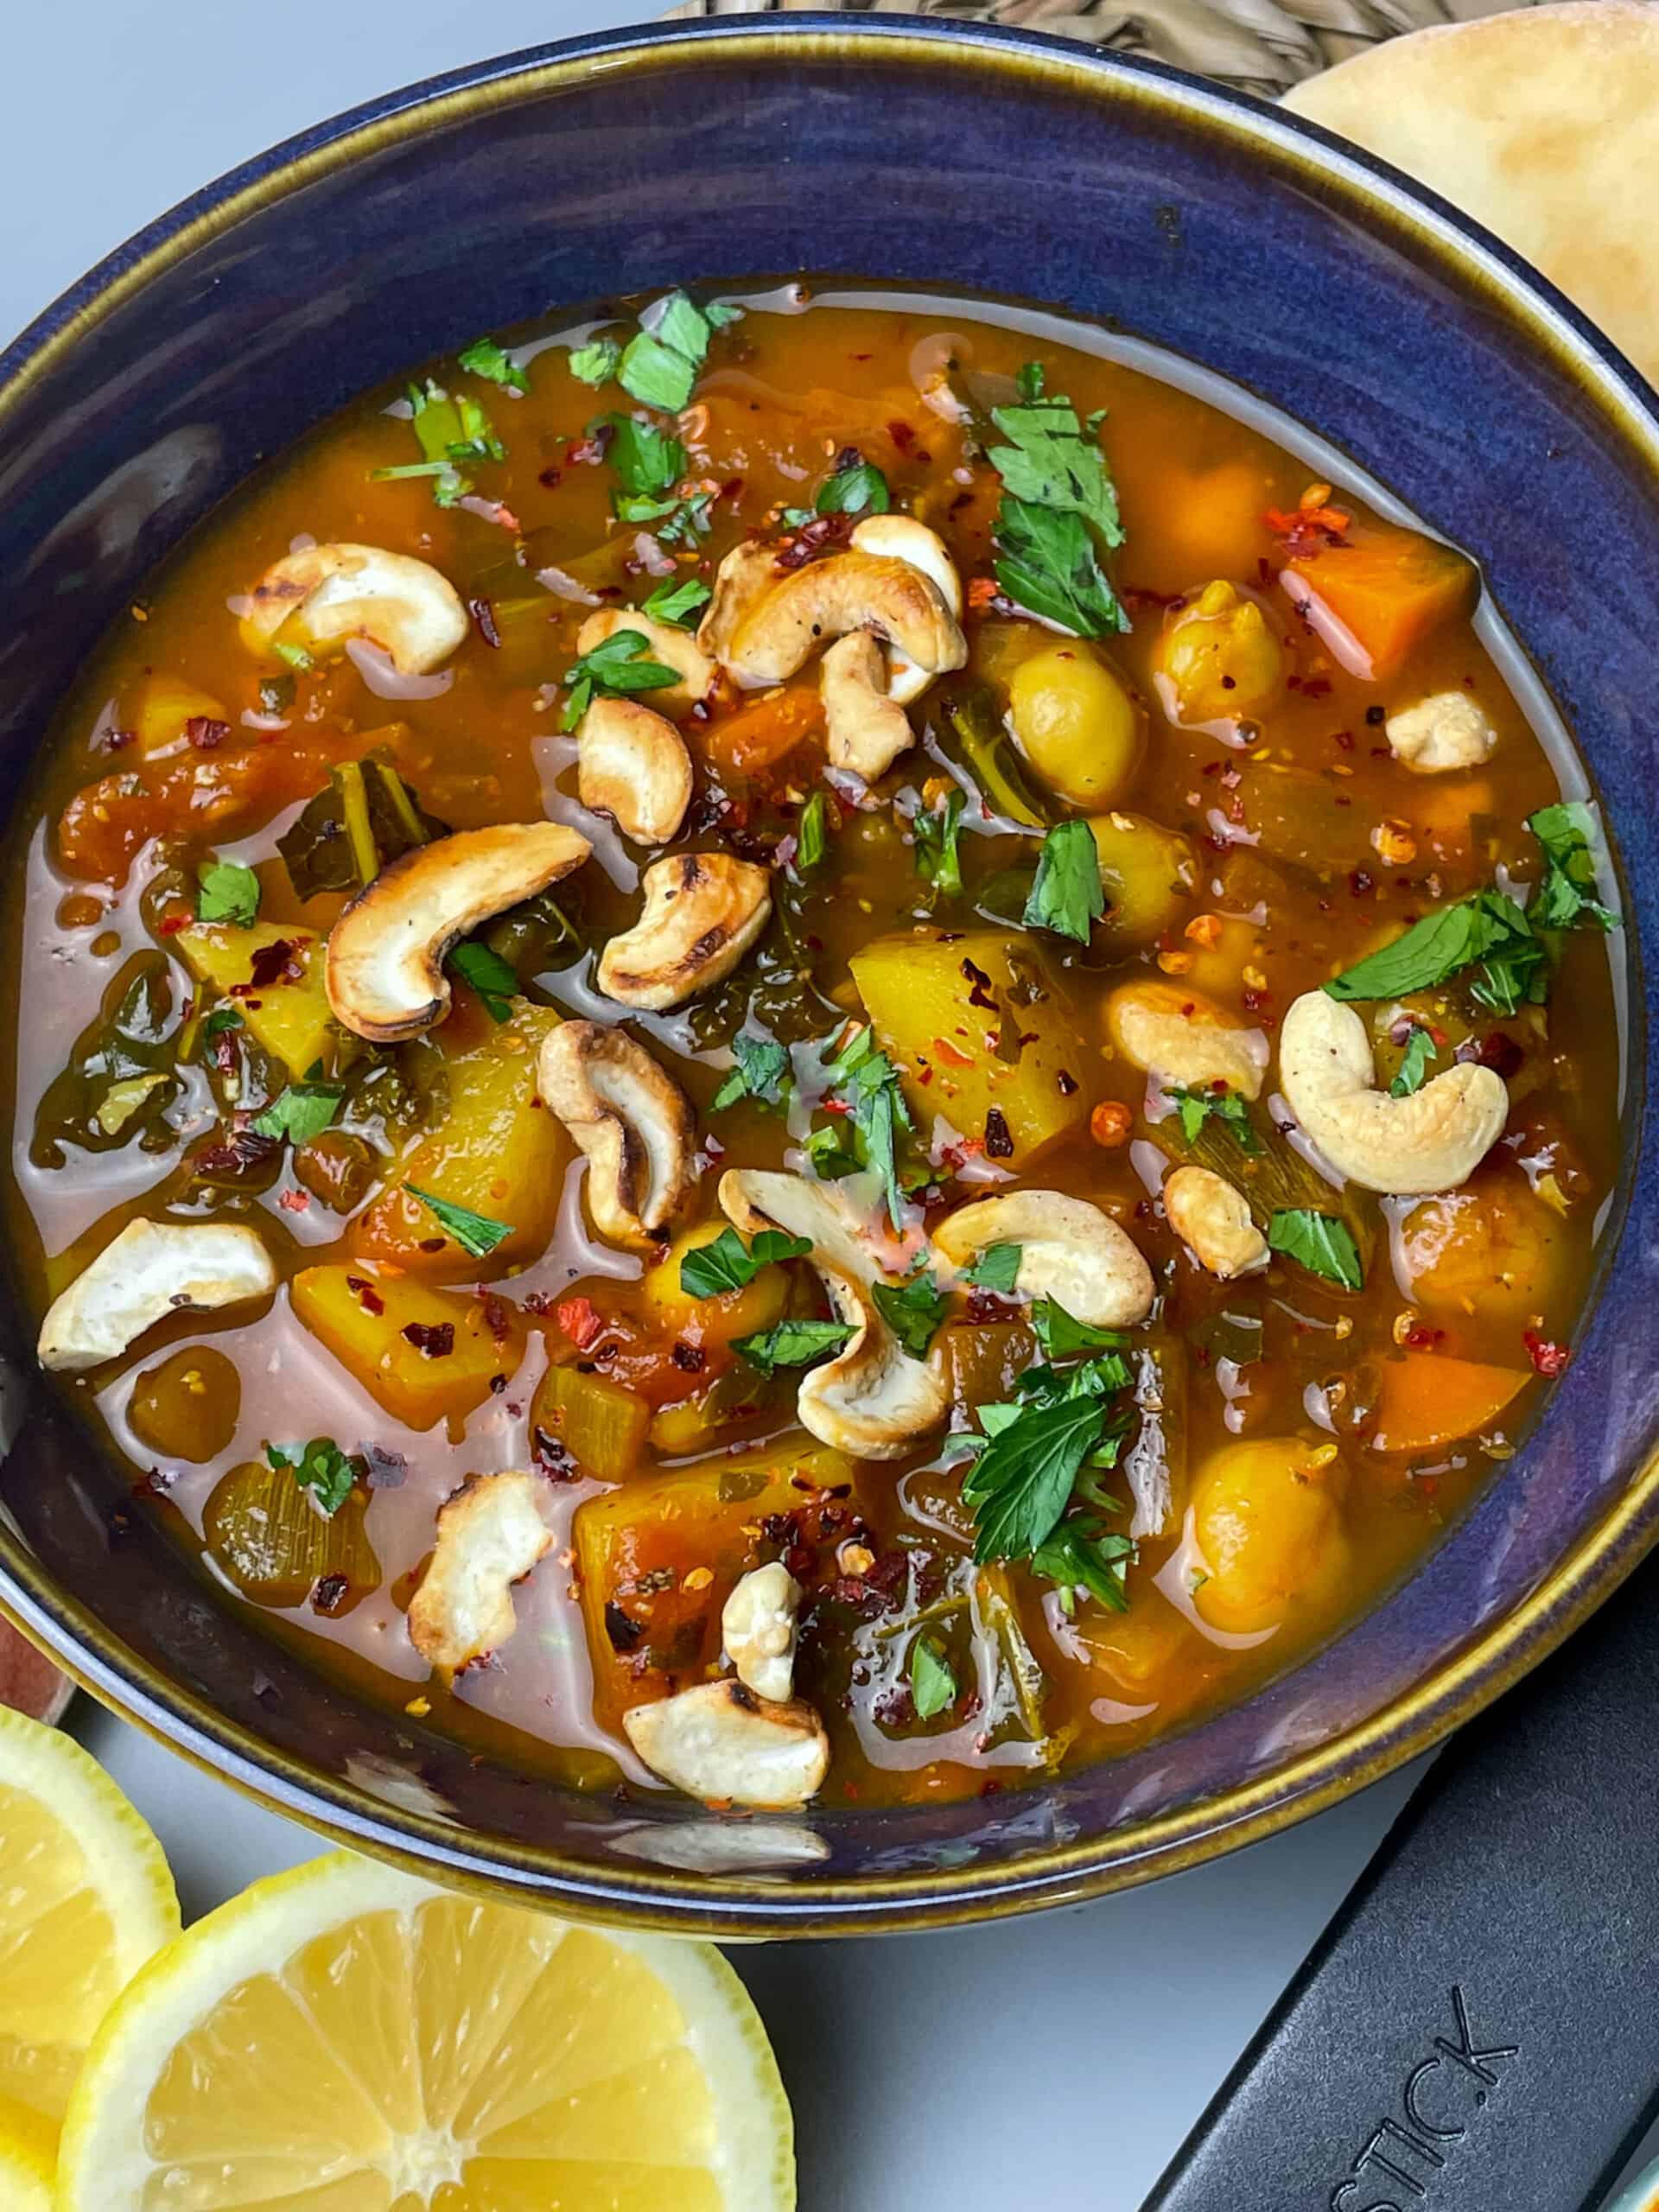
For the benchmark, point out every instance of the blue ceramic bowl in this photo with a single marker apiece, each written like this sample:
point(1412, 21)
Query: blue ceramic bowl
point(940, 157)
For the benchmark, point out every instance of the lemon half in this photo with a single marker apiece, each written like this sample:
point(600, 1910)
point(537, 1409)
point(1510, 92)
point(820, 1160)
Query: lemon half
point(86, 1898)
point(345, 2038)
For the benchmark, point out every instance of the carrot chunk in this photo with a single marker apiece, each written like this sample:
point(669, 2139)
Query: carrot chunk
point(1427, 1400)
point(1377, 594)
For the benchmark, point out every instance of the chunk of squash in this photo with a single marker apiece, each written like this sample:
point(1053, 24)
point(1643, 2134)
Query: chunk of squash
point(288, 1018)
point(160, 707)
point(658, 1558)
point(420, 1352)
point(1427, 1400)
point(489, 1146)
point(599, 1425)
point(948, 1009)
point(1374, 597)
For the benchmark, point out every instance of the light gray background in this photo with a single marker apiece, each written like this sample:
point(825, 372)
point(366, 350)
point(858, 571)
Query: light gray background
point(1065, 2055)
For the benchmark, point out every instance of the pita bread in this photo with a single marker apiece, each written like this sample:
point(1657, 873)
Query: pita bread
point(1543, 124)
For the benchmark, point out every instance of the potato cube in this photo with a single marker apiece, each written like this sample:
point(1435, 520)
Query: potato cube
point(420, 1352)
point(288, 1017)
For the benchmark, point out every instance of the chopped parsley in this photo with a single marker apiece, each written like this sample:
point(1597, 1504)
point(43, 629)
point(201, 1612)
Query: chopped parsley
point(227, 892)
point(650, 465)
point(475, 1233)
point(867, 1080)
point(492, 977)
point(933, 1685)
point(451, 429)
point(912, 1310)
point(1058, 507)
point(301, 1112)
point(321, 1467)
point(677, 605)
point(762, 1073)
point(596, 362)
point(725, 1264)
point(483, 357)
point(1067, 896)
point(1061, 1333)
point(997, 1269)
point(793, 1344)
point(939, 861)
point(1082, 1553)
point(1037, 1456)
point(617, 667)
point(857, 488)
point(1413, 1071)
point(1195, 1108)
point(1319, 1242)
point(1565, 896)
point(661, 363)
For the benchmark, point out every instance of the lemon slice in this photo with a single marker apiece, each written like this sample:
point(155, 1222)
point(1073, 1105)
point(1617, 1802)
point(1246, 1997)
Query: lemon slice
point(344, 2038)
point(25, 2174)
point(85, 1899)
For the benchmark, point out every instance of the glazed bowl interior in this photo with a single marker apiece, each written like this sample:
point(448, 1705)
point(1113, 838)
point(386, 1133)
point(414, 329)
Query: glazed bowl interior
point(944, 159)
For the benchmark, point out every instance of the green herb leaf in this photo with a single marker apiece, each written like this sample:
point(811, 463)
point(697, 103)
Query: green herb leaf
point(618, 666)
point(1031, 378)
point(1057, 506)
point(1082, 1554)
point(1414, 1069)
point(1067, 896)
point(1320, 1241)
point(228, 892)
point(1565, 897)
point(1021, 1484)
point(869, 1082)
point(221, 1019)
point(450, 428)
point(489, 974)
point(321, 1467)
point(1050, 463)
point(475, 1233)
point(648, 461)
point(939, 861)
point(596, 362)
point(912, 1310)
point(859, 489)
point(1233, 1112)
point(295, 655)
point(483, 357)
point(831, 1158)
point(933, 1685)
point(301, 1112)
point(1061, 1333)
point(724, 1264)
point(1440, 946)
point(1049, 567)
point(762, 1073)
point(660, 364)
point(812, 837)
point(997, 1269)
point(677, 604)
point(793, 1344)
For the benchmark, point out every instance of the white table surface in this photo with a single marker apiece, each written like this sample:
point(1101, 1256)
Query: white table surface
point(1070, 2052)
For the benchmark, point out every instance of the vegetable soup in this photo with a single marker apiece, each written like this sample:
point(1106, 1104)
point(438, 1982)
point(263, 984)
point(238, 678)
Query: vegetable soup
point(806, 1050)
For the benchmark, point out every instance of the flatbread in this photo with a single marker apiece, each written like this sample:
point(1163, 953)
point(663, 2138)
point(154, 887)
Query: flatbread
point(1543, 124)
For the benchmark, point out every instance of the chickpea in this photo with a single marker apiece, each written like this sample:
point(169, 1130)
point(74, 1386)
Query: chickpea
point(187, 1407)
point(1137, 1651)
point(1267, 1518)
point(1219, 657)
point(1147, 874)
point(1491, 1248)
point(999, 648)
point(711, 1320)
point(1223, 948)
point(1078, 724)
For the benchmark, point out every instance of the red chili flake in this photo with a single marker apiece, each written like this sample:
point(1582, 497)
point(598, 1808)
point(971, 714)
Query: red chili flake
point(981, 993)
point(328, 1594)
point(1501, 1053)
point(538, 1302)
point(923, 1075)
point(365, 1294)
point(205, 732)
point(430, 1244)
point(498, 1384)
point(483, 614)
point(1550, 1359)
point(271, 963)
point(581, 1321)
point(998, 1138)
point(293, 1201)
point(821, 535)
point(985, 1305)
point(552, 1459)
point(1311, 687)
point(690, 1359)
point(551, 477)
point(1361, 883)
point(497, 1315)
point(1066, 1084)
point(586, 452)
point(1343, 740)
point(902, 436)
point(623, 1630)
point(436, 1339)
point(1376, 716)
point(116, 741)
point(172, 923)
point(1421, 1337)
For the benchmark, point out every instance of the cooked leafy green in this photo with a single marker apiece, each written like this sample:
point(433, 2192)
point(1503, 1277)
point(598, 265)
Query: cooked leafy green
point(228, 891)
point(1068, 896)
point(933, 1685)
point(793, 1344)
point(1320, 1241)
point(301, 1112)
point(726, 1264)
point(486, 972)
point(364, 815)
point(812, 837)
point(937, 832)
point(762, 1072)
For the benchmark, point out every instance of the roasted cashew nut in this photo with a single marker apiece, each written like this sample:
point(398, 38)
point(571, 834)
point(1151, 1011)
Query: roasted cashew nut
point(1185, 1040)
point(1069, 1251)
point(633, 765)
point(384, 972)
point(325, 594)
point(901, 537)
point(490, 1534)
point(798, 613)
point(702, 911)
point(1446, 732)
point(872, 1401)
point(1213, 1219)
point(757, 1627)
point(866, 729)
point(720, 1742)
point(632, 1121)
point(746, 574)
point(151, 1269)
point(675, 649)
point(1430, 1140)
